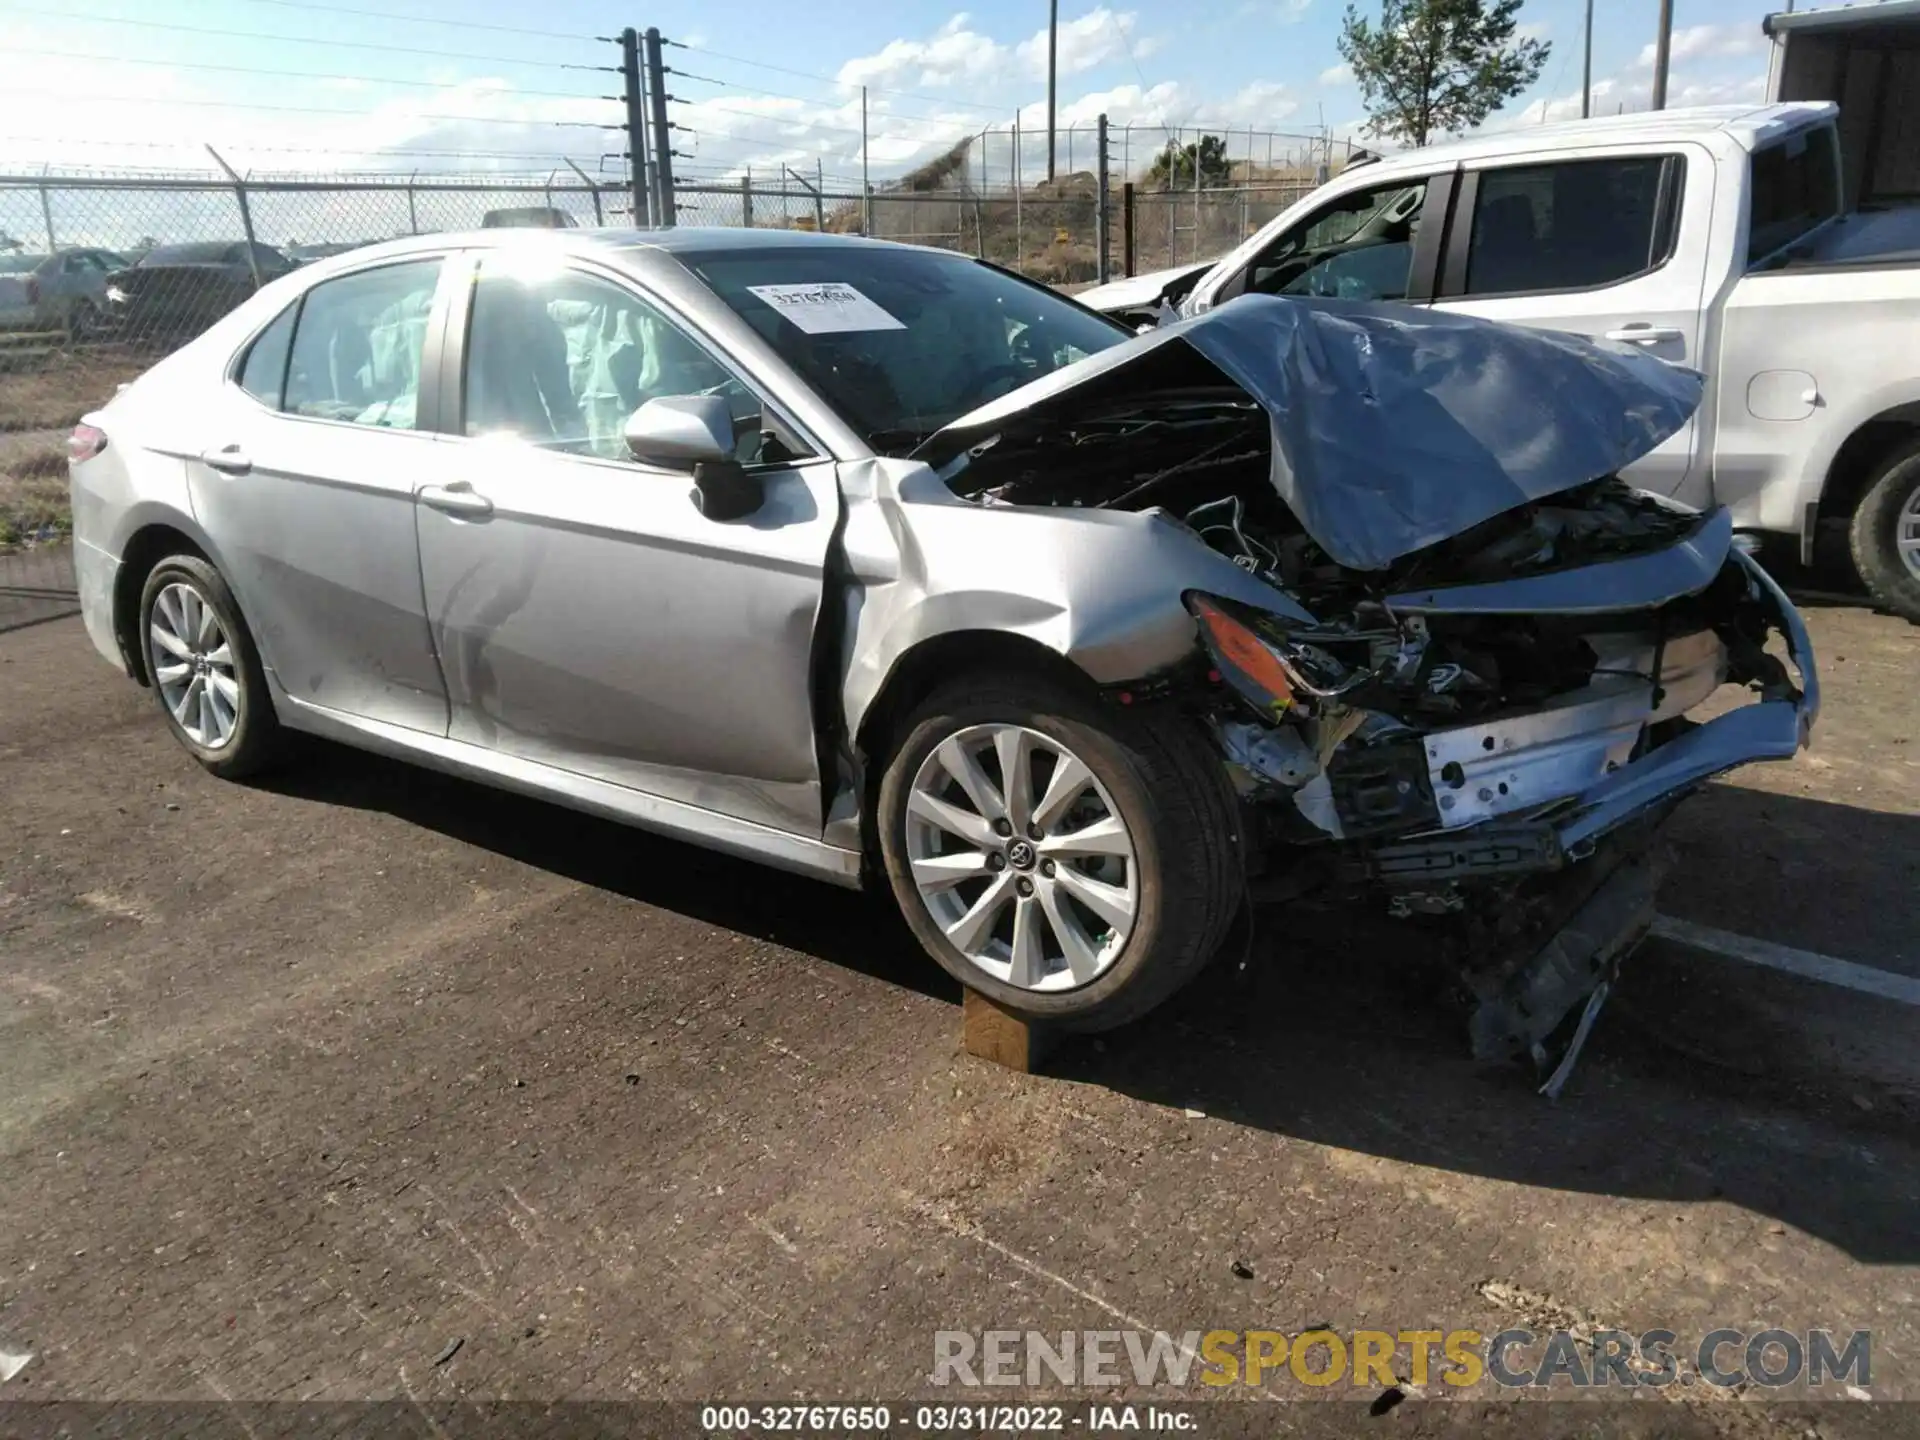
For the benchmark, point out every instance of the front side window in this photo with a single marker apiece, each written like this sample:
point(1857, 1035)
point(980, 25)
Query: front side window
point(1796, 187)
point(561, 359)
point(1359, 247)
point(1576, 225)
point(901, 342)
point(357, 346)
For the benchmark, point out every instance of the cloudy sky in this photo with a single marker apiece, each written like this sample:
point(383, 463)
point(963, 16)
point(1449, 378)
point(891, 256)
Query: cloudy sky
point(473, 84)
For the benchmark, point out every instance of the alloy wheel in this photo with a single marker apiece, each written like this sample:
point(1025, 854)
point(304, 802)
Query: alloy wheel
point(1021, 857)
point(193, 665)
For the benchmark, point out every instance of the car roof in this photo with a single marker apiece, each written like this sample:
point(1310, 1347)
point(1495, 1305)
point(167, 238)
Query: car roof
point(678, 242)
point(1747, 125)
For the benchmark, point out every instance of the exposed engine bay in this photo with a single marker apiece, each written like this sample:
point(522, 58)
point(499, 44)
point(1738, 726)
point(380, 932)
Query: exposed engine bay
point(1430, 736)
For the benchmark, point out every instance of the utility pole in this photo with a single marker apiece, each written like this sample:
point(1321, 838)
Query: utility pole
point(1586, 69)
point(1662, 44)
point(636, 124)
point(1053, 76)
point(662, 138)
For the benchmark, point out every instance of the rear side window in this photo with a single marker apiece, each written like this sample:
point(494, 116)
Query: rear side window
point(264, 372)
point(1577, 225)
point(1796, 186)
point(357, 346)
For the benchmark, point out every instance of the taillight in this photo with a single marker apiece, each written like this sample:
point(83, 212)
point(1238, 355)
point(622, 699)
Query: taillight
point(85, 442)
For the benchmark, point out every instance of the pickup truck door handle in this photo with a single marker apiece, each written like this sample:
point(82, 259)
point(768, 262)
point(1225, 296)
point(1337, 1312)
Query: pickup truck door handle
point(228, 460)
point(1644, 334)
point(455, 499)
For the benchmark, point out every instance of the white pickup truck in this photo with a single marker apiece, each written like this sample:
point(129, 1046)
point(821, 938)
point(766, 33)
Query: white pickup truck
point(1716, 238)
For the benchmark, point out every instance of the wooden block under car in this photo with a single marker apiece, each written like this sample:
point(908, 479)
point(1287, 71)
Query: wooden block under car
point(992, 1033)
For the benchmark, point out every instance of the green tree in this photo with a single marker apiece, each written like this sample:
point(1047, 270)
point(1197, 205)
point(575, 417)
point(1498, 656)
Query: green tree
point(1172, 168)
point(1432, 66)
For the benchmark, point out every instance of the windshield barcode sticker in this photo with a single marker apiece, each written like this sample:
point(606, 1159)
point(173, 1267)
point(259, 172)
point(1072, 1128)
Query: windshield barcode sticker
point(826, 308)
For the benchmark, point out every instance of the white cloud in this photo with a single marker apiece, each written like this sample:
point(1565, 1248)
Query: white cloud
point(1633, 91)
point(1341, 74)
point(954, 53)
point(1092, 39)
point(1701, 42)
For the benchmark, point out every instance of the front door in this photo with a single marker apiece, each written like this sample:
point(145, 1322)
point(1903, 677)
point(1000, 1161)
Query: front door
point(1594, 245)
point(587, 616)
point(304, 478)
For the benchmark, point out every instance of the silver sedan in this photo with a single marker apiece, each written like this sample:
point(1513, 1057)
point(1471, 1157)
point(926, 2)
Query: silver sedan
point(879, 562)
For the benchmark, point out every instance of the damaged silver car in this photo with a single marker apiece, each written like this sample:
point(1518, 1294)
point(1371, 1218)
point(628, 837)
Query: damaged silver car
point(880, 563)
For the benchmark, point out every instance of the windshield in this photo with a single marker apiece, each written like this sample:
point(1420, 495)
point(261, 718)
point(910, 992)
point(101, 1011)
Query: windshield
point(901, 342)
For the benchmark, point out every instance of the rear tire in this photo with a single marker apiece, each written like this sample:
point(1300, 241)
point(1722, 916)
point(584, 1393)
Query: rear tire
point(1885, 534)
point(1118, 896)
point(205, 672)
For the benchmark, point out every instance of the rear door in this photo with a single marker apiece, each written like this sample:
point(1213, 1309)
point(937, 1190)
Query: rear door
point(1612, 245)
point(587, 615)
point(306, 482)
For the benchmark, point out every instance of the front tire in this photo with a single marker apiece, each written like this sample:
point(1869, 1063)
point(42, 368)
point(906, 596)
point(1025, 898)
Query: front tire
point(205, 671)
point(1886, 534)
point(1091, 887)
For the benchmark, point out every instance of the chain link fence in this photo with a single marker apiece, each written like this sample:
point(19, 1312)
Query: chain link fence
point(102, 272)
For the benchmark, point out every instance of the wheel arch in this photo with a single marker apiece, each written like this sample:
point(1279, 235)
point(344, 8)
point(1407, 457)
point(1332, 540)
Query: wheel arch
point(145, 548)
point(1860, 455)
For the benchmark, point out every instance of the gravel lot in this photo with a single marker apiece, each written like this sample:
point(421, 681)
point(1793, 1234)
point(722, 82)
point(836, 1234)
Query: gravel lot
point(299, 1083)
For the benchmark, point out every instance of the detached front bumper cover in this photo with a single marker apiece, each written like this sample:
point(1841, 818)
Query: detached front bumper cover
point(1772, 729)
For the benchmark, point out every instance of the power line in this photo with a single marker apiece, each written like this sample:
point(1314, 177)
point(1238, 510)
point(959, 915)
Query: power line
point(117, 20)
point(585, 161)
point(834, 80)
point(802, 99)
point(460, 24)
point(284, 74)
point(711, 108)
point(315, 110)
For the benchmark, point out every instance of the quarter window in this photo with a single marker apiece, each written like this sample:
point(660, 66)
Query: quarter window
point(1796, 187)
point(264, 371)
point(357, 346)
point(562, 359)
point(1577, 225)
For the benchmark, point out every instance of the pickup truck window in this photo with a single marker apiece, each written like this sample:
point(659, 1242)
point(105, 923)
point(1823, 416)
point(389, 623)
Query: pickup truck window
point(1359, 247)
point(1577, 225)
point(1796, 186)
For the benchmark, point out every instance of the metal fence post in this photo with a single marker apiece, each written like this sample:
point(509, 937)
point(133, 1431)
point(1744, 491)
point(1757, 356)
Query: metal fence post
point(636, 126)
point(866, 185)
point(413, 217)
point(46, 212)
point(593, 189)
point(1127, 250)
point(662, 140)
point(1103, 265)
point(246, 214)
point(746, 199)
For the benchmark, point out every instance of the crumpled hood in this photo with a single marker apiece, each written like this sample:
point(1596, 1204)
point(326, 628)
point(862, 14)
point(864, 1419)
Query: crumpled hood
point(1394, 426)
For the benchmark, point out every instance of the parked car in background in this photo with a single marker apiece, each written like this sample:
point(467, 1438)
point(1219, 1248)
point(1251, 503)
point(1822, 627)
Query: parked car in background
point(875, 561)
point(1714, 238)
point(176, 291)
point(531, 217)
point(66, 290)
point(307, 254)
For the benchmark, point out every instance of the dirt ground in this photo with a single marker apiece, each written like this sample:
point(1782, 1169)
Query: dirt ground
point(302, 1082)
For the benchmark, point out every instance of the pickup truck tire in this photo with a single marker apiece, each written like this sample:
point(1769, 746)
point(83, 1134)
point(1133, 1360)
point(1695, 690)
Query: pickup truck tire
point(1139, 925)
point(1888, 513)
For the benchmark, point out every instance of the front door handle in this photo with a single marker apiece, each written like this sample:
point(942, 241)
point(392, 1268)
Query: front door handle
point(455, 499)
point(228, 460)
point(1644, 334)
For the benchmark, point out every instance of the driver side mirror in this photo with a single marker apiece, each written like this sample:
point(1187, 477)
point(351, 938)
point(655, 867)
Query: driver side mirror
point(695, 432)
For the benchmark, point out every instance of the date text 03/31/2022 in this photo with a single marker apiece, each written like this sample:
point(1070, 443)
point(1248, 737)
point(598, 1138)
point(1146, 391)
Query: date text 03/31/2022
point(935, 1419)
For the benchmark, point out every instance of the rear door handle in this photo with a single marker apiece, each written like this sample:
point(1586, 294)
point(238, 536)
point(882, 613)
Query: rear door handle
point(228, 460)
point(1647, 334)
point(455, 499)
